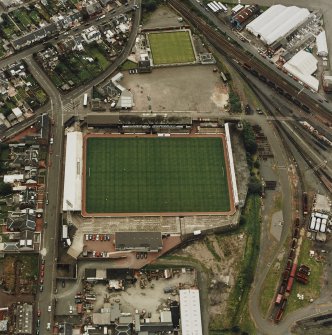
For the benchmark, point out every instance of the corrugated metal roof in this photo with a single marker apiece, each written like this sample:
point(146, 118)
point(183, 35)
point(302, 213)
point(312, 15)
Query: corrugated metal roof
point(302, 66)
point(191, 322)
point(277, 21)
point(321, 44)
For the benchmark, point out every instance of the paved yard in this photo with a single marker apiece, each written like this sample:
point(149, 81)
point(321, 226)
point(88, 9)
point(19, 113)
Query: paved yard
point(184, 88)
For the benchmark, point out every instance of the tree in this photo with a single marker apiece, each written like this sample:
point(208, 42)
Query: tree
point(255, 186)
point(149, 5)
point(5, 189)
point(249, 139)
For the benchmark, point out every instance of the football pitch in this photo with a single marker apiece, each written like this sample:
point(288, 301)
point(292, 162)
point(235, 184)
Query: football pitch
point(155, 175)
point(171, 47)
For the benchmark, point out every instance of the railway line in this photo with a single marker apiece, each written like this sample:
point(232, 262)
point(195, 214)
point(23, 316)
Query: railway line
point(231, 48)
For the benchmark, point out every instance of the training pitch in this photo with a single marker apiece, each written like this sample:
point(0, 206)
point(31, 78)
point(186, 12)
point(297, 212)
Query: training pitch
point(149, 175)
point(171, 47)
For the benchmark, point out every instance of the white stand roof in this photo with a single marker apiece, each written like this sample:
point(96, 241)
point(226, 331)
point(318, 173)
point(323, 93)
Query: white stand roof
point(72, 193)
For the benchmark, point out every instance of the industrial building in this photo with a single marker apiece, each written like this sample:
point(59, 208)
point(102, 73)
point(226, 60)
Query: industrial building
point(277, 22)
point(190, 310)
point(321, 44)
point(327, 81)
point(72, 193)
point(243, 16)
point(302, 66)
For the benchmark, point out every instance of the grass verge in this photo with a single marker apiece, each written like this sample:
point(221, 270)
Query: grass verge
point(312, 289)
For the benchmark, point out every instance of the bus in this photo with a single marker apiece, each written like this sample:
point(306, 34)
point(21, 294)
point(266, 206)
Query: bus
point(85, 100)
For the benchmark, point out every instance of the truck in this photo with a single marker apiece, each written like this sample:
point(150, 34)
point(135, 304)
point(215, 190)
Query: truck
point(64, 234)
point(85, 100)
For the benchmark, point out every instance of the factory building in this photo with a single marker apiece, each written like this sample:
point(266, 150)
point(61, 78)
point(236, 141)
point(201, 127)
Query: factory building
point(277, 23)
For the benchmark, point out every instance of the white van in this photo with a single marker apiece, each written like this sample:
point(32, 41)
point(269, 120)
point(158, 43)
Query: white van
point(68, 242)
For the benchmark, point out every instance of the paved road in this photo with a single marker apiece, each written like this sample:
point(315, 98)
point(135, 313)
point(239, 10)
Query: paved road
point(53, 187)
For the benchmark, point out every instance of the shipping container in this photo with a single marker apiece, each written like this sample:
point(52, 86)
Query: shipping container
point(305, 203)
point(278, 315)
point(312, 223)
point(278, 299)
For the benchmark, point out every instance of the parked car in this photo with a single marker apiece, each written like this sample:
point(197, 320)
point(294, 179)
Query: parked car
point(41, 288)
point(48, 326)
point(97, 237)
point(137, 255)
point(43, 261)
point(38, 312)
point(63, 283)
point(49, 308)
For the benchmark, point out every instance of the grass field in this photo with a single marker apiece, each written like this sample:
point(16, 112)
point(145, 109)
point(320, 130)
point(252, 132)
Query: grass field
point(151, 175)
point(171, 48)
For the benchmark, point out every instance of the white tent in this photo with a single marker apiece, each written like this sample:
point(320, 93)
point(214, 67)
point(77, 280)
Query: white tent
point(321, 44)
point(302, 66)
point(276, 22)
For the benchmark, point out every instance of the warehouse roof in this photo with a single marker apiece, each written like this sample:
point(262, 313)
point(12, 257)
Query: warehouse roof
point(321, 43)
point(144, 241)
point(302, 66)
point(72, 194)
point(276, 22)
point(191, 322)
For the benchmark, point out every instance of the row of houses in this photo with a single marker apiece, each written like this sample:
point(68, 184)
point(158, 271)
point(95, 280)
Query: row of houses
point(25, 203)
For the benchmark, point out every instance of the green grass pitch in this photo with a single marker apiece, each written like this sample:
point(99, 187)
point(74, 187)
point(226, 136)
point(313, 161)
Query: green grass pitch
point(171, 47)
point(154, 175)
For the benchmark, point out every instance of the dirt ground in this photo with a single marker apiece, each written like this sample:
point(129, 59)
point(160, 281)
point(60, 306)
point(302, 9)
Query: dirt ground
point(222, 264)
point(163, 17)
point(187, 88)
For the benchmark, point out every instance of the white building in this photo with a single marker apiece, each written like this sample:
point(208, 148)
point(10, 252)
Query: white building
point(190, 312)
point(17, 112)
point(302, 66)
point(72, 193)
point(11, 178)
point(91, 34)
point(277, 22)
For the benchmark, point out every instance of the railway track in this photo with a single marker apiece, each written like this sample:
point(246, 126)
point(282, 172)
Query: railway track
point(231, 48)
